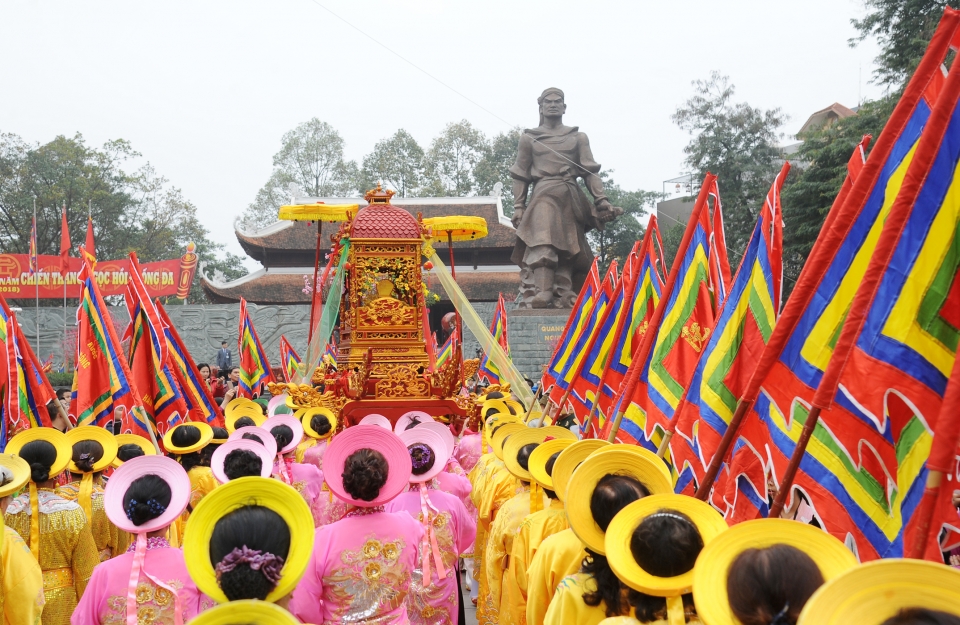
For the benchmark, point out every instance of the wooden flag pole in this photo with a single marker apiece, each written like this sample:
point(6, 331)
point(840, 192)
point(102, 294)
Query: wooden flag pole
point(733, 430)
point(536, 399)
point(791, 472)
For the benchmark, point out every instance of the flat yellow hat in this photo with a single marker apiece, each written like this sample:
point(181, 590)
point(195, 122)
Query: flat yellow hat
point(515, 407)
point(248, 491)
point(19, 474)
point(871, 593)
point(92, 433)
point(206, 435)
point(496, 443)
point(496, 405)
point(539, 458)
point(527, 437)
point(55, 437)
point(133, 439)
point(708, 521)
point(643, 452)
point(245, 611)
point(254, 413)
point(584, 482)
point(309, 414)
point(713, 566)
point(570, 458)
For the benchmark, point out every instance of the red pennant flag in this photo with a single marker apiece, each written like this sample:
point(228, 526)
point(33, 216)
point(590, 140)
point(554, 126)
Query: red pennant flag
point(65, 242)
point(89, 247)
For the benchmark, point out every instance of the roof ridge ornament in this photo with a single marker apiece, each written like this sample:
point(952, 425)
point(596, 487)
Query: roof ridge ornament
point(379, 195)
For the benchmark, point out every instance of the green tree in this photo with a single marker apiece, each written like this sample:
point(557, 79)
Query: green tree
point(311, 156)
point(672, 235)
point(452, 159)
point(738, 143)
point(132, 212)
point(495, 166)
point(903, 29)
point(617, 238)
point(397, 161)
point(820, 166)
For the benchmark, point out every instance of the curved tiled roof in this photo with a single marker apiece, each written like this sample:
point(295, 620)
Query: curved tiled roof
point(292, 243)
point(383, 221)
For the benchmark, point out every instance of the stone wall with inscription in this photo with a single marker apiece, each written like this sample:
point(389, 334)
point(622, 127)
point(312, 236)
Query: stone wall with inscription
point(201, 328)
point(532, 336)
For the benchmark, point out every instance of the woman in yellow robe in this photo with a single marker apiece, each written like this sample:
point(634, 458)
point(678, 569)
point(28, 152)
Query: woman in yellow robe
point(94, 449)
point(607, 481)
point(56, 529)
point(184, 444)
point(516, 455)
point(21, 580)
point(533, 530)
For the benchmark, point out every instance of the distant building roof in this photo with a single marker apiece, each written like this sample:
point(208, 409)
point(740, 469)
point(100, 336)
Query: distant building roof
point(827, 116)
point(287, 249)
point(292, 243)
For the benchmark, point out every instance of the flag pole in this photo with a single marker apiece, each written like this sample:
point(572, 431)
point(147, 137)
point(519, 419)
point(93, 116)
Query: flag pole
point(63, 275)
point(36, 277)
point(791, 472)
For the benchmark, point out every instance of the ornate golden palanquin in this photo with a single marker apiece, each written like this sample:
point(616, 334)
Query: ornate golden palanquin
point(383, 366)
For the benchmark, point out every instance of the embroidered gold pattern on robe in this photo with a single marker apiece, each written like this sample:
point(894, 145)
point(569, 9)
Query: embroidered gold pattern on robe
point(67, 549)
point(371, 581)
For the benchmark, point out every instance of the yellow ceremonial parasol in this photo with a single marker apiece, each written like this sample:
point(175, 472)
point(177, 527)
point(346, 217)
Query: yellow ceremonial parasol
point(318, 212)
point(456, 228)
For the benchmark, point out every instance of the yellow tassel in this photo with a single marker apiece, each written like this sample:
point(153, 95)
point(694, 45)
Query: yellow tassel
point(536, 498)
point(34, 522)
point(675, 612)
point(85, 496)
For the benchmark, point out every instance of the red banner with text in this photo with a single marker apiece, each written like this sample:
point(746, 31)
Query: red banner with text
point(164, 277)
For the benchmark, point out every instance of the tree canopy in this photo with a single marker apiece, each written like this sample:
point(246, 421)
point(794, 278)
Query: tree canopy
point(138, 211)
point(903, 29)
point(738, 143)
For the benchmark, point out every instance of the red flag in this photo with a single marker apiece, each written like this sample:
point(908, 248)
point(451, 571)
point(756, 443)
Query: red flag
point(89, 250)
point(682, 324)
point(65, 242)
point(149, 357)
point(196, 391)
point(852, 489)
point(103, 381)
point(571, 331)
point(255, 371)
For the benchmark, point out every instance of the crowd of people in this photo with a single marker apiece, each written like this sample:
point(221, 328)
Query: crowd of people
point(285, 516)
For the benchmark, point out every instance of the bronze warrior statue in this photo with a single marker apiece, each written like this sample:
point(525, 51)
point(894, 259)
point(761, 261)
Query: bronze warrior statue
point(552, 248)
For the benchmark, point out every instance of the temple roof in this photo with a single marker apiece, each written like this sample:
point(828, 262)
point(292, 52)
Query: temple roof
point(285, 286)
point(292, 243)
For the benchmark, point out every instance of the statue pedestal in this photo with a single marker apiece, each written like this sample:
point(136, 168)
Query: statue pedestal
point(534, 334)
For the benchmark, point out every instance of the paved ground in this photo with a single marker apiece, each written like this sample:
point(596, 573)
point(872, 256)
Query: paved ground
point(469, 611)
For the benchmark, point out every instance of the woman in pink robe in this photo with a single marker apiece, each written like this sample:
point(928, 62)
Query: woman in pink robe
point(450, 532)
point(361, 565)
point(143, 497)
point(306, 479)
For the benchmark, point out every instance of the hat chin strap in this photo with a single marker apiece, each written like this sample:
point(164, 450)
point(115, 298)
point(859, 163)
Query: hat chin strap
point(86, 496)
point(139, 557)
point(430, 547)
point(675, 611)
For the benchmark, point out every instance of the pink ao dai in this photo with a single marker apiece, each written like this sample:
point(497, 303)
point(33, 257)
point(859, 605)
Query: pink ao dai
point(104, 602)
point(436, 602)
point(360, 571)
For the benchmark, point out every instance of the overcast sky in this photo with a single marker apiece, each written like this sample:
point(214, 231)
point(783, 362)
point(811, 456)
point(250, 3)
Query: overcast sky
point(205, 89)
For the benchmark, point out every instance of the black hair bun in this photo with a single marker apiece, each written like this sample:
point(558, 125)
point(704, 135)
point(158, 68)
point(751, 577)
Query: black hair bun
point(39, 472)
point(364, 474)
